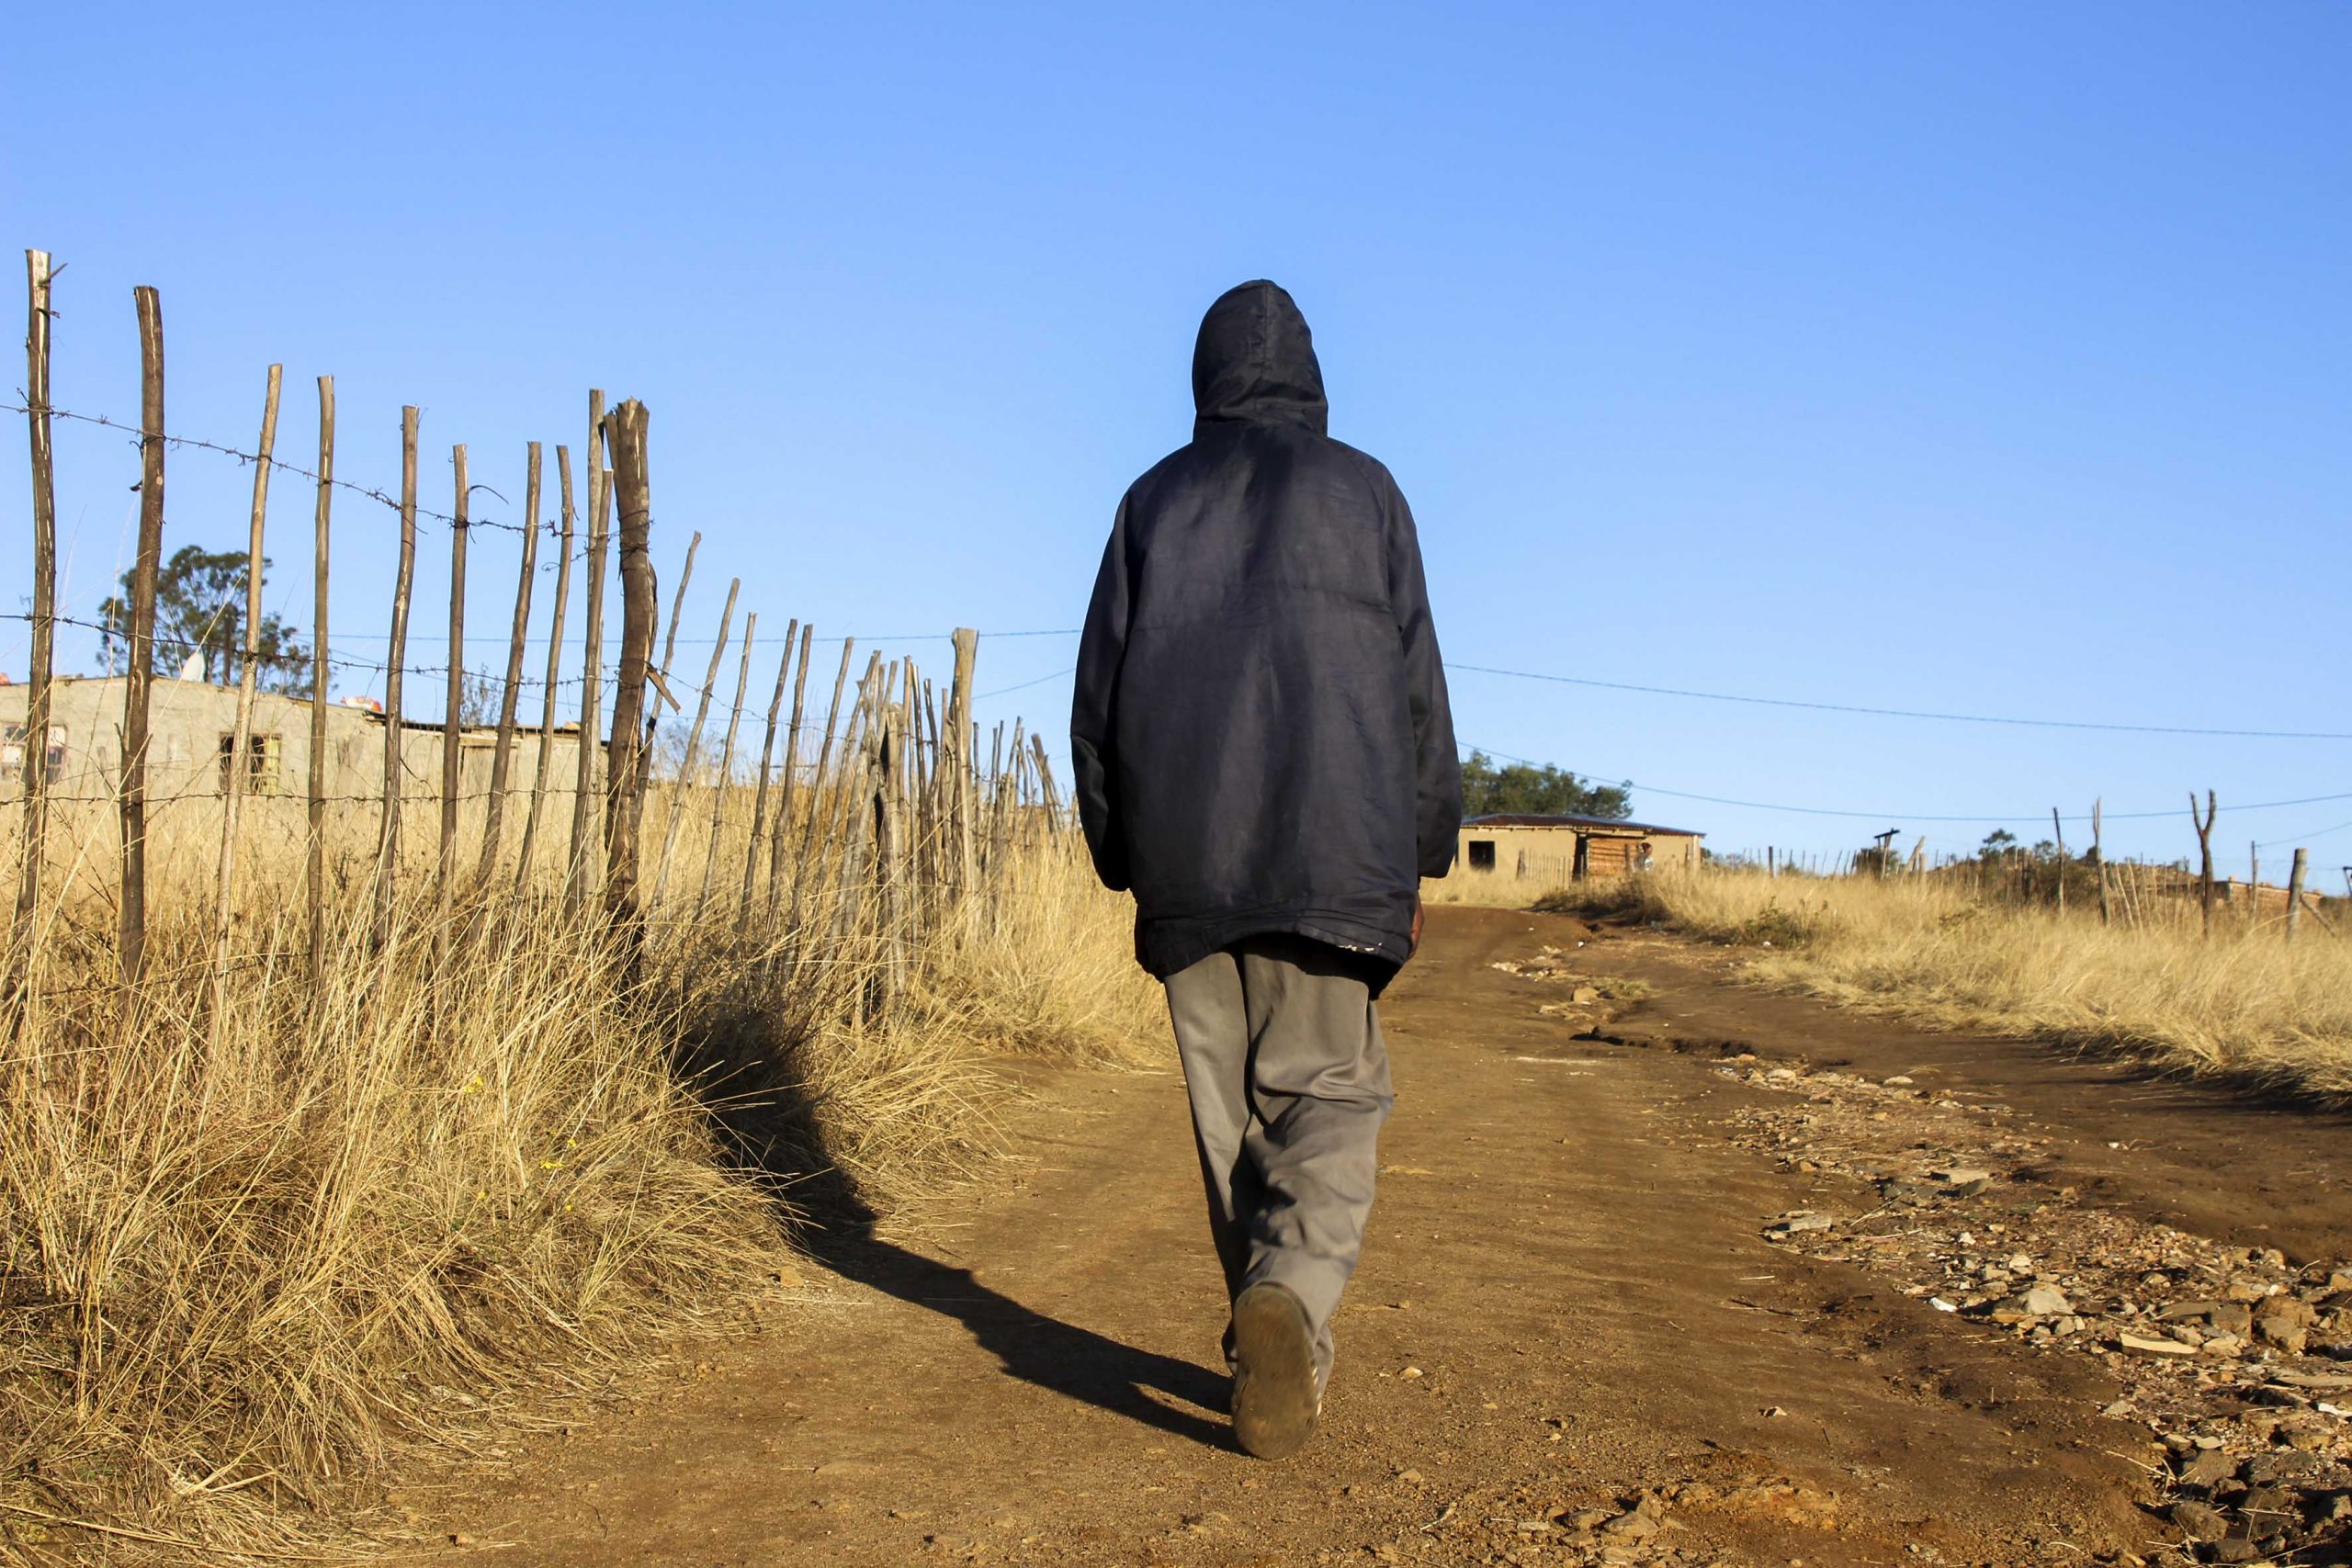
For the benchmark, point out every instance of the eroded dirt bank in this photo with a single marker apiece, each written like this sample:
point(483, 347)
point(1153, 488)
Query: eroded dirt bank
point(1667, 1276)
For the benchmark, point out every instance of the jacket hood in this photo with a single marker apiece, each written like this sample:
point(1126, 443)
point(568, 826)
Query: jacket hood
point(1255, 360)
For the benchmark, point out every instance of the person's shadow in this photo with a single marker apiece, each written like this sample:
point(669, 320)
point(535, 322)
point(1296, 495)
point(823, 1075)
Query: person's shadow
point(1075, 1362)
point(739, 1063)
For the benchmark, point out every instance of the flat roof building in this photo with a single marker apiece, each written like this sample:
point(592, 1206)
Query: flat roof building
point(1570, 849)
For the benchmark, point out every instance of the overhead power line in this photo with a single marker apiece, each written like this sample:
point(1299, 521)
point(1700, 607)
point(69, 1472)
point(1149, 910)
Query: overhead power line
point(1894, 816)
point(1024, 685)
point(1910, 713)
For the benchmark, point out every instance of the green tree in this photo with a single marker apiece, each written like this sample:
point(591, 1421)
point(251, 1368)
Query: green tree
point(200, 609)
point(1524, 788)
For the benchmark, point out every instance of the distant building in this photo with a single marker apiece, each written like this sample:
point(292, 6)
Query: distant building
point(1572, 848)
point(192, 734)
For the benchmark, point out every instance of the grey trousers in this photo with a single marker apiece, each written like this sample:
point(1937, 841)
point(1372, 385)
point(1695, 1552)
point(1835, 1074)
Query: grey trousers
point(1288, 1078)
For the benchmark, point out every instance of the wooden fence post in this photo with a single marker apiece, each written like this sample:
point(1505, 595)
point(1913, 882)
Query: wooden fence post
point(678, 605)
point(453, 713)
point(315, 870)
point(625, 430)
point(1045, 784)
point(815, 799)
point(767, 759)
point(388, 836)
point(854, 799)
point(660, 674)
point(887, 736)
point(555, 670)
point(584, 799)
point(959, 773)
point(44, 620)
point(2058, 832)
point(2205, 856)
point(131, 924)
point(241, 737)
point(678, 809)
point(727, 762)
point(2253, 885)
point(493, 813)
point(2099, 853)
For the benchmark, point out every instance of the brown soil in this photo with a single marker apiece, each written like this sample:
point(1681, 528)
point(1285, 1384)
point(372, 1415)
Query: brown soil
point(1567, 1304)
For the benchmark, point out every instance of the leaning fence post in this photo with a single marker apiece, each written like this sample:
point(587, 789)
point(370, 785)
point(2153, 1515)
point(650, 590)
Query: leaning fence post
point(677, 809)
point(2058, 835)
point(555, 669)
point(888, 736)
point(625, 430)
point(2295, 875)
point(1045, 785)
point(131, 925)
point(727, 762)
point(816, 797)
point(493, 813)
point(388, 836)
point(767, 759)
point(660, 674)
point(2099, 853)
point(591, 700)
point(44, 623)
point(315, 871)
point(240, 737)
point(2204, 827)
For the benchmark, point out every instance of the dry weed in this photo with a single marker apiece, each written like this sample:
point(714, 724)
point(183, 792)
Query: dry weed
point(2245, 1002)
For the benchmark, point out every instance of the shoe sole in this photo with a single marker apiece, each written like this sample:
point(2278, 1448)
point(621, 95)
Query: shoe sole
point(1273, 1380)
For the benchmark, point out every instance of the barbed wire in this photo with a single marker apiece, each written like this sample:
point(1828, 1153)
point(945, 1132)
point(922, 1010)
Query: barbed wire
point(277, 464)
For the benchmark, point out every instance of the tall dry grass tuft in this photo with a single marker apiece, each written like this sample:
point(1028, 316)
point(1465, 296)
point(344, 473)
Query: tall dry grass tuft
point(845, 1106)
point(2244, 1003)
point(245, 1260)
point(250, 1260)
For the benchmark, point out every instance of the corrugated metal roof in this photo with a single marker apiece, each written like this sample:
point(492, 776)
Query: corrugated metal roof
point(1522, 819)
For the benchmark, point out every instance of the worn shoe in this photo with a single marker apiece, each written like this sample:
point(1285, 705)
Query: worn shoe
point(1274, 1399)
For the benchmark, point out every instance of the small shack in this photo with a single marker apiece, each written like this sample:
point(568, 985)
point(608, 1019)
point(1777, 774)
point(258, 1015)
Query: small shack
point(1570, 849)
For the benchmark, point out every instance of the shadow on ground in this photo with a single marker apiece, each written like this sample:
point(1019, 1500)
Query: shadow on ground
point(741, 1061)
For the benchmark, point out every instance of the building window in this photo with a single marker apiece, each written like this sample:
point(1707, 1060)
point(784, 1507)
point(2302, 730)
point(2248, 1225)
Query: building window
point(261, 763)
point(16, 764)
point(1482, 854)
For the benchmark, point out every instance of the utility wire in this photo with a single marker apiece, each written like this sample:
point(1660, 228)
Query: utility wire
point(1024, 685)
point(1901, 816)
point(2304, 837)
point(1911, 712)
point(549, 527)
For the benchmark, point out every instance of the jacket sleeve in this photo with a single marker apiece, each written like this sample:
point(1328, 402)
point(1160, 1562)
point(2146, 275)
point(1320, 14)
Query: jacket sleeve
point(1093, 717)
point(1437, 769)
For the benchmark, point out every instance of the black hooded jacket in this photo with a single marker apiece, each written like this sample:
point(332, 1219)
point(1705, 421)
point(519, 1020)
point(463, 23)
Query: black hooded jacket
point(1261, 729)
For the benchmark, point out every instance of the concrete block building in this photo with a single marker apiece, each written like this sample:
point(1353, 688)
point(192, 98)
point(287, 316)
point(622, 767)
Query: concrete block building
point(192, 731)
point(1570, 849)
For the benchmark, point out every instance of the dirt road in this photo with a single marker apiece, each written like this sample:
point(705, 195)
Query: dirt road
point(1572, 1339)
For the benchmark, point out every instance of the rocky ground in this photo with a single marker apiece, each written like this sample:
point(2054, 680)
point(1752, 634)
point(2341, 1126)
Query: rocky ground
point(2230, 1355)
point(1665, 1271)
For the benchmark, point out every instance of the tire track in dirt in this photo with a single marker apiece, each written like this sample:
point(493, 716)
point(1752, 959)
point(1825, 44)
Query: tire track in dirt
point(1567, 1307)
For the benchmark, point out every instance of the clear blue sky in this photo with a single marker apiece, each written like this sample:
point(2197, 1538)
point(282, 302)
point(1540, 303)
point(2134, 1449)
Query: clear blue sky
point(1990, 358)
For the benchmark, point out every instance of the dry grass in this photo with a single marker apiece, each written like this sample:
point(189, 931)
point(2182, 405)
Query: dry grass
point(2246, 1003)
point(1495, 889)
point(249, 1262)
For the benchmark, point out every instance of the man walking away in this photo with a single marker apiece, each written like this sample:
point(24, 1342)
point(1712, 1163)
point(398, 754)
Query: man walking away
point(1265, 756)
